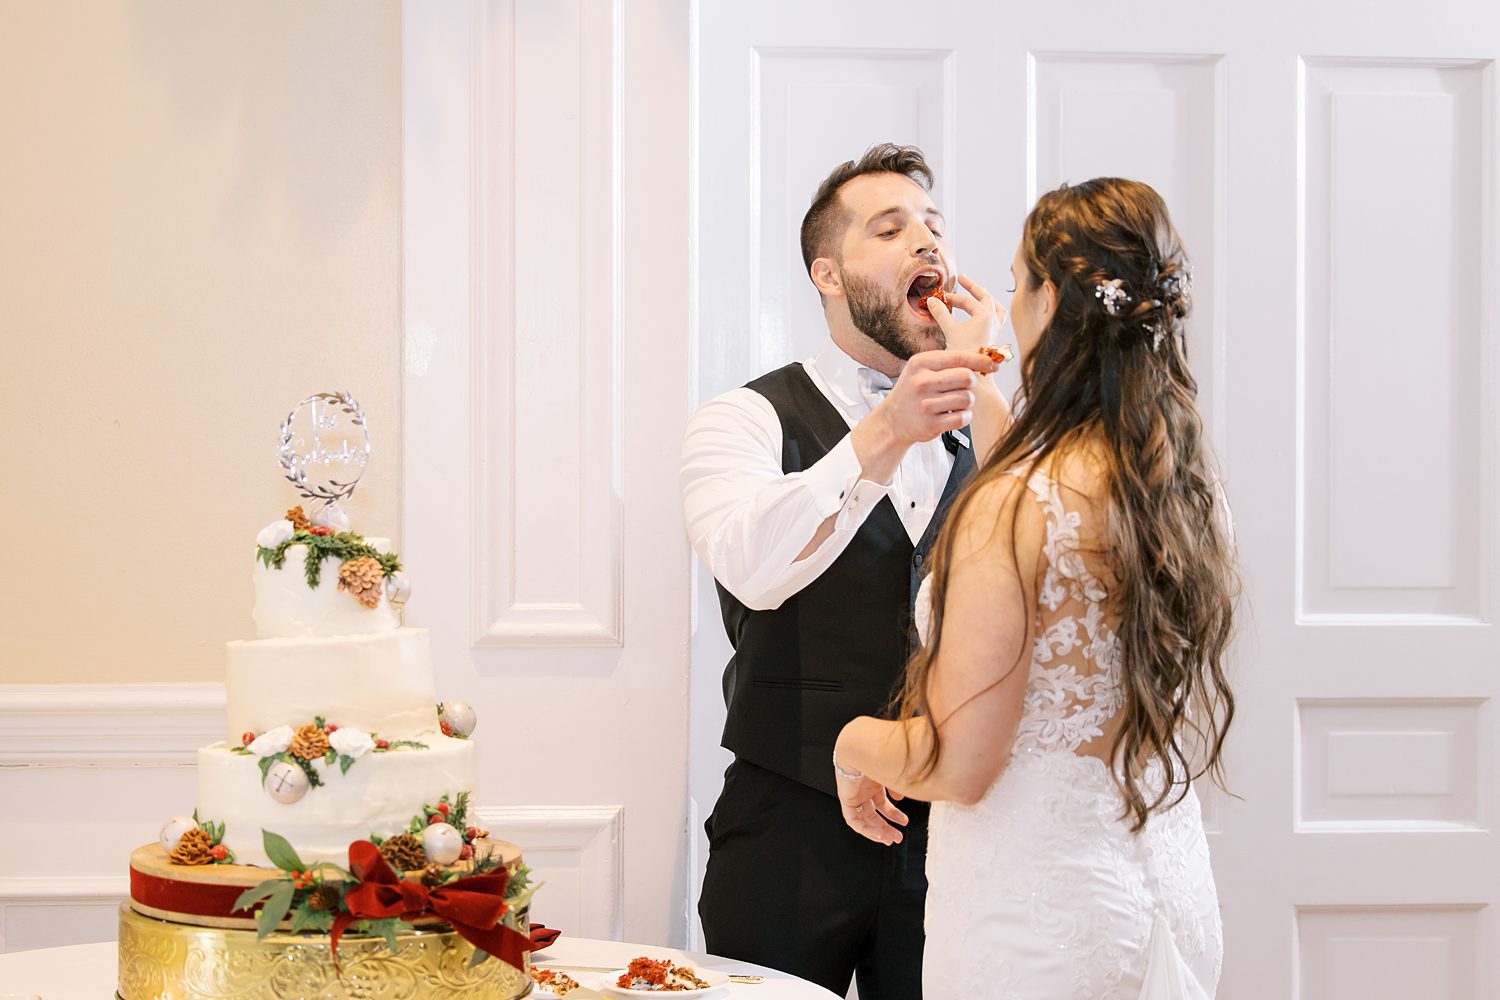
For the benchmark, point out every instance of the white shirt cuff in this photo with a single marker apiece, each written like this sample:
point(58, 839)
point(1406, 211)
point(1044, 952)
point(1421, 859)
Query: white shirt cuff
point(836, 487)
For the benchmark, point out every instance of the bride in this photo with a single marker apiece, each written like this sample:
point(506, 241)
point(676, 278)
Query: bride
point(1071, 685)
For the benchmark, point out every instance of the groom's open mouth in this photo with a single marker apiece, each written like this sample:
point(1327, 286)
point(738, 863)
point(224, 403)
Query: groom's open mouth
point(926, 285)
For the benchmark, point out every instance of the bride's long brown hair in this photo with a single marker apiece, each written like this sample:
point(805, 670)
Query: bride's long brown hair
point(1121, 381)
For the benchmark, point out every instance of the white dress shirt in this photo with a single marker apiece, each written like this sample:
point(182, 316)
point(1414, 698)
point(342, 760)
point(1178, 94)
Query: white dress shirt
point(749, 521)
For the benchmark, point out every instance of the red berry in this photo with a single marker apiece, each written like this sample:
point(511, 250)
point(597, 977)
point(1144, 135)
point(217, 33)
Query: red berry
point(466, 853)
point(443, 808)
point(434, 818)
point(320, 529)
point(447, 729)
point(382, 744)
point(330, 729)
point(247, 738)
point(471, 832)
point(220, 852)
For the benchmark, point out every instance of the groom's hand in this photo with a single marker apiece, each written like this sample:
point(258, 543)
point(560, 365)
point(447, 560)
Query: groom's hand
point(934, 394)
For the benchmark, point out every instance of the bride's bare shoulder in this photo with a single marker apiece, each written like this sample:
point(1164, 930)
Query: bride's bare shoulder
point(1080, 469)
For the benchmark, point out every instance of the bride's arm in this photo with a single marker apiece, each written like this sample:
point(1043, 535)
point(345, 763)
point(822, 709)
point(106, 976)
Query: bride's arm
point(978, 678)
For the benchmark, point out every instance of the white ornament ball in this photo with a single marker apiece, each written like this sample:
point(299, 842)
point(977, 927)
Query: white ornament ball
point(460, 717)
point(286, 782)
point(397, 587)
point(442, 843)
point(172, 832)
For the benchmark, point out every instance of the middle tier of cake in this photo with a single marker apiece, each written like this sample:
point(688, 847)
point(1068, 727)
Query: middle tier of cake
point(379, 794)
point(380, 683)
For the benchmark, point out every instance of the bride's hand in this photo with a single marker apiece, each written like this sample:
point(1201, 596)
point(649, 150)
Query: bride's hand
point(869, 811)
point(985, 316)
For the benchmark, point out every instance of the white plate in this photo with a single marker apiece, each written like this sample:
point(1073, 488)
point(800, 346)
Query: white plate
point(540, 992)
point(714, 979)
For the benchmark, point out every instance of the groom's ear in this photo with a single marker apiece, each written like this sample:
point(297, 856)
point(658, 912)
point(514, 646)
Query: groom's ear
point(825, 275)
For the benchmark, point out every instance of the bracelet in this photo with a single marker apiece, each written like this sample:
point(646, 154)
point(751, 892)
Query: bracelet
point(844, 772)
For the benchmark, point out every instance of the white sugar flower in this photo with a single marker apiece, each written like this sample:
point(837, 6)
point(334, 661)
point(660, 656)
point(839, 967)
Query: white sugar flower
point(274, 534)
point(272, 742)
point(351, 742)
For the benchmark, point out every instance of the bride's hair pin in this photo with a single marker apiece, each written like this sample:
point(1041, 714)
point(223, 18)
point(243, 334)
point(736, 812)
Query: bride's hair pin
point(1112, 293)
point(1177, 286)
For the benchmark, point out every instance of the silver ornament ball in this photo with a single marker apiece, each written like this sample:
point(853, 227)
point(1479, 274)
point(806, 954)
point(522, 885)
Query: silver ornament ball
point(286, 782)
point(397, 587)
point(460, 717)
point(442, 843)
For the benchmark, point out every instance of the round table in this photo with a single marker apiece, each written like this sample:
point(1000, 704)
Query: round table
point(87, 971)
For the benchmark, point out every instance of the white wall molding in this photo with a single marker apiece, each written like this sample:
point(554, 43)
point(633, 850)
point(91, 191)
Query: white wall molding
point(578, 851)
point(534, 338)
point(108, 724)
point(546, 336)
point(33, 910)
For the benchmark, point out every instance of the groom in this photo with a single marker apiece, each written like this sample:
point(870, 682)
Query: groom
point(815, 494)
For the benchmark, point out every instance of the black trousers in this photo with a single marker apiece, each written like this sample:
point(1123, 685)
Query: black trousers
point(790, 886)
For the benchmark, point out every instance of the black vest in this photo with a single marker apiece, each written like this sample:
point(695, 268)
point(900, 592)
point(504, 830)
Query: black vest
point(837, 648)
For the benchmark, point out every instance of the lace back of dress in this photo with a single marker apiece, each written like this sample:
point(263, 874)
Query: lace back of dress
point(1074, 688)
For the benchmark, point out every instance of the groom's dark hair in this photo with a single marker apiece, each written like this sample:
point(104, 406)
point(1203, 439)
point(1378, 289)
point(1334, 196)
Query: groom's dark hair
point(827, 218)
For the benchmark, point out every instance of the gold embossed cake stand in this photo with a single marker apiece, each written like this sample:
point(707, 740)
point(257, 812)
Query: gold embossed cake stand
point(163, 960)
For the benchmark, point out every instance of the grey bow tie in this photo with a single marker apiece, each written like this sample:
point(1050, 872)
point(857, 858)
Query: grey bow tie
point(874, 386)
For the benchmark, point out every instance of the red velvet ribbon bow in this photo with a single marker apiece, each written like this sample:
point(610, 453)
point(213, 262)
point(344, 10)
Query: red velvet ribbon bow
point(472, 905)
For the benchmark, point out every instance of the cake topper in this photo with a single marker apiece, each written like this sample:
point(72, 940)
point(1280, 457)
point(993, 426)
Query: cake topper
point(324, 447)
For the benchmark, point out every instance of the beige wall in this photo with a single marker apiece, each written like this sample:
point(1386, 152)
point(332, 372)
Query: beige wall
point(199, 225)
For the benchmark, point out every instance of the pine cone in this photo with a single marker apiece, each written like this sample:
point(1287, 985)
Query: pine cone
point(299, 520)
point(310, 743)
point(432, 876)
point(364, 578)
point(194, 848)
point(324, 897)
point(404, 853)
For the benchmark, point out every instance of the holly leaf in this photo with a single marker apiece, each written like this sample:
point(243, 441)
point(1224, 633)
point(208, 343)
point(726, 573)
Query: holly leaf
point(265, 766)
point(281, 853)
point(523, 897)
point(314, 920)
point(345, 762)
point(299, 917)
point(387, 928)
point(313, 780)
point(256, 893)
point(273, 911)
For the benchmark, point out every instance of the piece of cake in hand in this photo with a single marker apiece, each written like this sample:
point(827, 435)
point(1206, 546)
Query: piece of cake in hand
point(1000, 354)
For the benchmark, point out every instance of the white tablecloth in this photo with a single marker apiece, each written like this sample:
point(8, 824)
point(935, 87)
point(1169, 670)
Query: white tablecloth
point(87, 971)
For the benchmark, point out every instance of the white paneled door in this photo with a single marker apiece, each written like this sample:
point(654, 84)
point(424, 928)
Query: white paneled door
point(1333, 170)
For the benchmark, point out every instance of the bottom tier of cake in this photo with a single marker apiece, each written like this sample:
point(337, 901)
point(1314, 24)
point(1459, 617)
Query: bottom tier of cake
point(164, 960)
point(380, 794)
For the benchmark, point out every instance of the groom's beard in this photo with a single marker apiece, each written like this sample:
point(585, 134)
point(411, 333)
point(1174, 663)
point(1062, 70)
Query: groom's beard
point(882, 316)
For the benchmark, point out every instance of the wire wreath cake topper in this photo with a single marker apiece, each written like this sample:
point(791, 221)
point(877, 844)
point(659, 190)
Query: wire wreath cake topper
point(317, 453)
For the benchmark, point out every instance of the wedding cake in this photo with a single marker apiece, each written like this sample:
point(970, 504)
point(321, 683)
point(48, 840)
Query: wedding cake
point(331, 852)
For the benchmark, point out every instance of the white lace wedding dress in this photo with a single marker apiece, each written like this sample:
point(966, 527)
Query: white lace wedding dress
point(1040, 890)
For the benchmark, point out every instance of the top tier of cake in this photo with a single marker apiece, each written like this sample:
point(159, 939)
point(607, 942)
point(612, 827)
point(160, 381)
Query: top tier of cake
point(285, 607)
